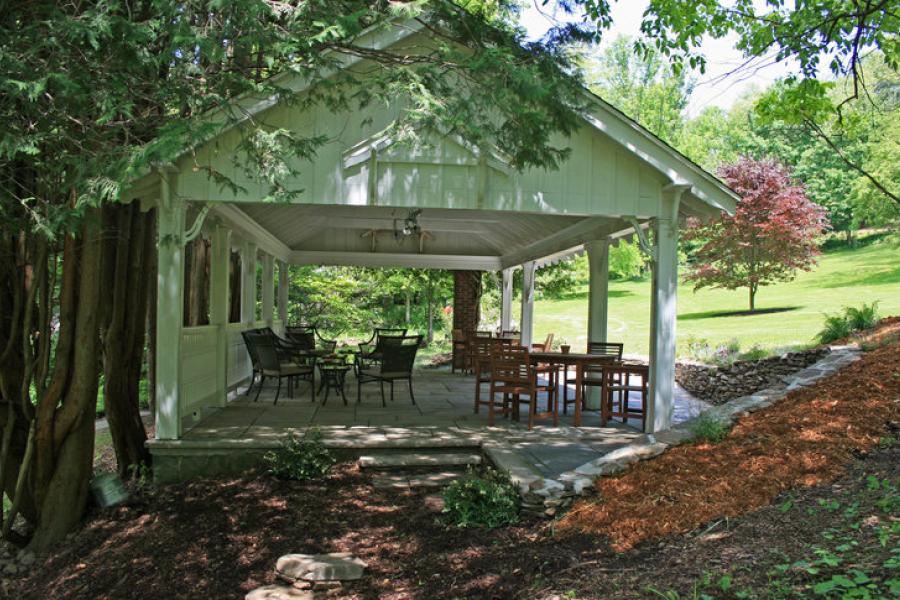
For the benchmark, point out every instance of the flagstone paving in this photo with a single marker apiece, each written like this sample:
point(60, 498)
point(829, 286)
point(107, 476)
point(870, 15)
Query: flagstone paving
point(442, 417)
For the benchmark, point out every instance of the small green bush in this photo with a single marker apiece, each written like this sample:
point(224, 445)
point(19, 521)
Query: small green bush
point(301, 458)
point(707, 428)
point(838, 326)
point(488, 499)
point(864, 317)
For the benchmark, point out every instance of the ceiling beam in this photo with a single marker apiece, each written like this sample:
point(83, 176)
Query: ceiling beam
point(246, 227)
point(459, 262)
point(572, 236)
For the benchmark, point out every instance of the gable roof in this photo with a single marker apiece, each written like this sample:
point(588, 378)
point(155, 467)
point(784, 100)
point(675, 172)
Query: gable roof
point(600, 115)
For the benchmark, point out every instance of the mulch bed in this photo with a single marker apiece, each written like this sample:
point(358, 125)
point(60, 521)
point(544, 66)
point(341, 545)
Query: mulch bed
point(805, 439)
point(220, 537)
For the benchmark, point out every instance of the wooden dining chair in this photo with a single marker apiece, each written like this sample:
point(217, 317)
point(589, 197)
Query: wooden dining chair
point(513, 376)
point(549, 371)
point(593, 374)
point(482, 351)
point(618, 384)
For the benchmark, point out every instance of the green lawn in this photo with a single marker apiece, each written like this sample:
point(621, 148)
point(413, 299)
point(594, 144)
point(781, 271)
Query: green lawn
point(843, 277)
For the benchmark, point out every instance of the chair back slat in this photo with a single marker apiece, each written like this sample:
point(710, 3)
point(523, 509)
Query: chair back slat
point(612, 349)
point(511, 365)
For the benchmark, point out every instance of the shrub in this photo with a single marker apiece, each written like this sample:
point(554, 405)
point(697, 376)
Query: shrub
point(488, 499)
point(301, 458)
point(864, 317)
point(707, 428)
point(835, 327)
point(839, 326)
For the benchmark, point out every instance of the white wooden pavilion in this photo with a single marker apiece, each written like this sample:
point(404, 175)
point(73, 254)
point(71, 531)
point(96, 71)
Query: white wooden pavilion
point(477, 214)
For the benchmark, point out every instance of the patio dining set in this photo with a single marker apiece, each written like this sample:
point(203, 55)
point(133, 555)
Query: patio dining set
point(386, 358)
point(536, 376)
point(539, 377)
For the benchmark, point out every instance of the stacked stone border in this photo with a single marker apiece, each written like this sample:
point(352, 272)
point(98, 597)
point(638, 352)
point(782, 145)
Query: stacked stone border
point(547, 497)
point(719, 383)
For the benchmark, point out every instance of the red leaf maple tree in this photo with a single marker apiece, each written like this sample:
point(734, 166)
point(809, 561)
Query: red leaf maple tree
point(770, 237)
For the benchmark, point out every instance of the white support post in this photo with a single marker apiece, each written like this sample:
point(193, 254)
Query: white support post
point(283, 286)
point(220, 261)
point(527, 324)
point(663, 314)
point(169, 309)
point(506, 294)
point(268, 289)
point(248, 283)
point(598, 302)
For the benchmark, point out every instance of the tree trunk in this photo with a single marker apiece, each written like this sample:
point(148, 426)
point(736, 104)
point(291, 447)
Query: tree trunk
point(752, 297)
point(151, 283)
point(61, 490)
point(124, 336)
point(196, 283)
point(408, 307)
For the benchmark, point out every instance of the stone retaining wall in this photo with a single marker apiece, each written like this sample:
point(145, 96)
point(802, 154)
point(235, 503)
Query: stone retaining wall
point(716, 384)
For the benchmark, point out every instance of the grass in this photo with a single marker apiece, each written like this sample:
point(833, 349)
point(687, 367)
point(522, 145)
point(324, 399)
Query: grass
point(788, 314)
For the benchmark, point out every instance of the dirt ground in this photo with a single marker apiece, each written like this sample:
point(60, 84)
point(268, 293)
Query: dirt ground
point(800, 495)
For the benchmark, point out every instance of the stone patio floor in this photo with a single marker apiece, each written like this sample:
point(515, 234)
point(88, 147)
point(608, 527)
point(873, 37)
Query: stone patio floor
point(442, 417)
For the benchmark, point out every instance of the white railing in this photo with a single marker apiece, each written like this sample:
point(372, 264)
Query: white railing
point(198, 367)
point(236, 356)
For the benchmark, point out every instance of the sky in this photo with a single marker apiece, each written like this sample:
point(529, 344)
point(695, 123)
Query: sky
point(714, 88)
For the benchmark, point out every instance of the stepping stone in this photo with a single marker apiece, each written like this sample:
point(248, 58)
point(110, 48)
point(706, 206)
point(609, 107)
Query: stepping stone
point(433, 480)
point(279, 592)
point(419, 459)
point(386, 481)
point(335, 566)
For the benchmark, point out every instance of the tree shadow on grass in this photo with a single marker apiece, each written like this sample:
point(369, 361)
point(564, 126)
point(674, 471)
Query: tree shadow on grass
point(713, 314)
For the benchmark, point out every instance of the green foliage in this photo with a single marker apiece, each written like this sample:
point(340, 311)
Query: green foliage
point(642, 85)
point(850, 320)
point(863, 317)
point(707, 428)
point(848, 562)
point(301, 458)
point(835, 327)
point(626, 261)
point(487, 499)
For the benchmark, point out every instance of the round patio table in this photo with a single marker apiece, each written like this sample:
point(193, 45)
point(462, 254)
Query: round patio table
point(334, 373)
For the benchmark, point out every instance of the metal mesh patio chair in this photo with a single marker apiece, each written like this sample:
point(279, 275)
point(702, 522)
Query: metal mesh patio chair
point(397, 361)
point(272, 363)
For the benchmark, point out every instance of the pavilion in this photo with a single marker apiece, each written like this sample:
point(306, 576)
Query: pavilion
point(477, 214)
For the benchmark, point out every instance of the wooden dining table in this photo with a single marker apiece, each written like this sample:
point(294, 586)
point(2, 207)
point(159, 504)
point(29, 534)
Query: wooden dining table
point(579, 361)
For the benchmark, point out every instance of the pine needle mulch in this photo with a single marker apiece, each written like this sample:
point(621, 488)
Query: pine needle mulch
point(805, 439)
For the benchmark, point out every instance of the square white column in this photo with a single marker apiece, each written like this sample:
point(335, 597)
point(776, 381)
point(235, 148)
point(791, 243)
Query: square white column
point(268, 289)
point(663, 315)
point(220, 261)
point(169, 309)
point(527, 324)
point(248, 283)
point(598, 294)
point(506, 293)
point(283, 287)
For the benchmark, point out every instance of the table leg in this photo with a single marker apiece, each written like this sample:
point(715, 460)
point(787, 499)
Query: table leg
point(579, 378)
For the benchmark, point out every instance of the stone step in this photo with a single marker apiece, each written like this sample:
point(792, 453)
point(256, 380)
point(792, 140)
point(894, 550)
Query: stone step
point(407, 460)
point(397, 481)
